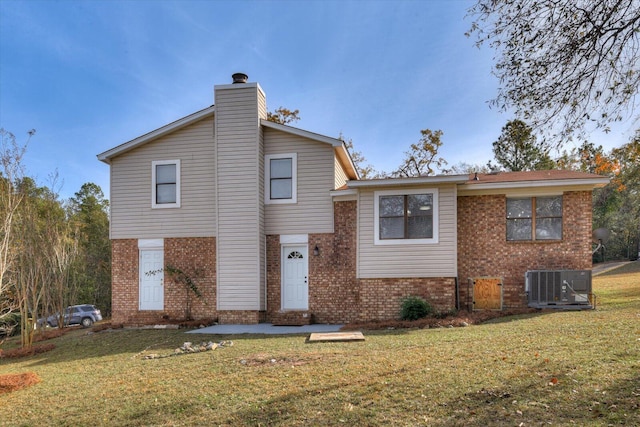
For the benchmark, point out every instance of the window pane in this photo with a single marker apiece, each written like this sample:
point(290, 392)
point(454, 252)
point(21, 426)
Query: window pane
point(391, 206)
point(392, 228)
point(519, 208)
point(420, 227)
point(549, 228)
point(166, 193)
point(281, 188)
point(280, 168)
point(165, 174)
point(420, 204)
point(549, 206)
point(519, 229)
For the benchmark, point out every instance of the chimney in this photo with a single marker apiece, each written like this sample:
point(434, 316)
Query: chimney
point(239, 78)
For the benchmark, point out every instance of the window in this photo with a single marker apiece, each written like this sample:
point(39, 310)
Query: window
point(534, 218)
point(280, 178)
point(408, 218)
point(165, 184)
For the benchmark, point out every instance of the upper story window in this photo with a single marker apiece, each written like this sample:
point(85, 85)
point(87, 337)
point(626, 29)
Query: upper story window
point(534, 218)
point(408, 217)
point(281, 178)
point(165, 186)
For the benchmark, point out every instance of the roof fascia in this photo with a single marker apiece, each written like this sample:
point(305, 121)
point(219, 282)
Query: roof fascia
point(396, 182)
point(337, 144)
point(303, 133)
point(147, 137)
point(347, 161)
point(567, 183)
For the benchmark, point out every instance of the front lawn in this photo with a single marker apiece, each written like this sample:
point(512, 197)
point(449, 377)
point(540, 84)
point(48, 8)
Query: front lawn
point(558, 368)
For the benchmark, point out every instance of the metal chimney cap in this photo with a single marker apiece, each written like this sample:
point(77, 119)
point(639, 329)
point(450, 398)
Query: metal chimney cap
point(239, 78)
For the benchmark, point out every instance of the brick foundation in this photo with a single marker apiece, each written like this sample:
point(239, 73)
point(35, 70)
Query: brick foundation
point(242, 317)
point(483, 249)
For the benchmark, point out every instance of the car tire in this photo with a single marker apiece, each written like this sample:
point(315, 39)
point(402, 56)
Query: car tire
point(50, 324)
point(87, 322)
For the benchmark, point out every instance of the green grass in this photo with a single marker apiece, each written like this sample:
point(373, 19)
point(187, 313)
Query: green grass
point(558, 368)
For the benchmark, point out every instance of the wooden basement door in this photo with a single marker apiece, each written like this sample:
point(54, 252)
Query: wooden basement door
point(487, 293)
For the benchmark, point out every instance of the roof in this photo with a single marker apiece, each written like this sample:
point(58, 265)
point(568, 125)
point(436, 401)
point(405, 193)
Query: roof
point(418, 180)
point(337, 144)
point(150, 136)
point(499, 182)
point(533, 179)
point(546, 175)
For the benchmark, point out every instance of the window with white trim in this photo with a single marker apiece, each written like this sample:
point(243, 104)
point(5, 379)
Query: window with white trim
point(165, 184)
point(534, 218)
point(406, 217)
point(280, 178)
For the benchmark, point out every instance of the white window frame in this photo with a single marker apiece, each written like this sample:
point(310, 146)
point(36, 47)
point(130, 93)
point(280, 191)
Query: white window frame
point(155, 163)
point(294, 178)
point(376, 218)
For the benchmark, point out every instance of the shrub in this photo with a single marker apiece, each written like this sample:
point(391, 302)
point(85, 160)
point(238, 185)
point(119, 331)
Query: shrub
point(414, 308)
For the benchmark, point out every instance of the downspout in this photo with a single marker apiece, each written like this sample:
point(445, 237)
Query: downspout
point(457, 283)
point(266, 304)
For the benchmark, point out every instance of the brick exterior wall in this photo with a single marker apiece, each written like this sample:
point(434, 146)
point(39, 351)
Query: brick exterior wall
point(380, 299)
point(333, 289)
point(124, 279)
point(483, 249)
point(335, 294)
point(195, 256)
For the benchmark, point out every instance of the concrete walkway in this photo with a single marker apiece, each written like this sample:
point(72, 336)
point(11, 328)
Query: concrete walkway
point(264, 328)
point(603, 267)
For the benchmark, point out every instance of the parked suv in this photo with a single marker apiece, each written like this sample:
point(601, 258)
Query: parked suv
point(84, 314)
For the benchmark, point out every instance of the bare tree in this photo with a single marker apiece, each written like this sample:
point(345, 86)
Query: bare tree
point(11, 172)
point(563, 64)
point(422, 157)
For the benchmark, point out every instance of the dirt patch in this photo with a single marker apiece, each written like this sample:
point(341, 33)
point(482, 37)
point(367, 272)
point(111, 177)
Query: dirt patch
point(13, 382)
point(456, 320)
point(266, 360)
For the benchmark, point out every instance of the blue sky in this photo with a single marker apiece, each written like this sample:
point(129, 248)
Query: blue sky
point(90, 75)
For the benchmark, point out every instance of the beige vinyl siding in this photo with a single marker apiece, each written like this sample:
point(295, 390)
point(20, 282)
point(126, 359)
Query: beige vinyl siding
point(340, 174)
point(260, 203)
point(394, 261)
point(313, 212)
point(239, 248)
point(131, 212)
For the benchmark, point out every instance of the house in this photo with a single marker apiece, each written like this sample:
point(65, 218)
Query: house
point(275, 225)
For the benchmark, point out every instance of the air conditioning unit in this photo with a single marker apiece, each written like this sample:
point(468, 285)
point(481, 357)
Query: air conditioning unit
point(565, 289)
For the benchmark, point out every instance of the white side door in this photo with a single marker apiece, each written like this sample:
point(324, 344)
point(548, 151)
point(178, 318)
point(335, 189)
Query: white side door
point(295, 271)
point(151, 279)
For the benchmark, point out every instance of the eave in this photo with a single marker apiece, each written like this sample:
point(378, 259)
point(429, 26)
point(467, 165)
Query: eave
point(337, 144)
point(396, 182)
point(552, 185)
point(164, 130)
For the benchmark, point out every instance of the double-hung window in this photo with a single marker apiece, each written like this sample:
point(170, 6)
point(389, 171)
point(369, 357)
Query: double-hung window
point(280, 178)
point(534, 218)
point(165, 189)
point(408, 217)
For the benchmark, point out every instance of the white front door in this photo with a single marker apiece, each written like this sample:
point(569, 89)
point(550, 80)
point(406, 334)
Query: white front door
point(151, 279)
point(295, 270)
